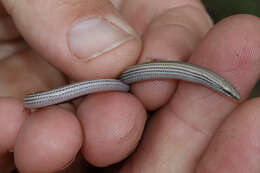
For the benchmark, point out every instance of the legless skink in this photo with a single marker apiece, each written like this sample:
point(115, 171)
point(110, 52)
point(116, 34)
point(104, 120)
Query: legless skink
point(141, 72)
point(72, 91)
point(182, 71)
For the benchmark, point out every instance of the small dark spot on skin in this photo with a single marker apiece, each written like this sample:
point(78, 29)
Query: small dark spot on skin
point(26, 111)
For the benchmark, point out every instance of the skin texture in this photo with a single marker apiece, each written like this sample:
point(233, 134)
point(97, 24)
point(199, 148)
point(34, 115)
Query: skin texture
point(108, 132)
point(194, 129)
point(12, 117)
point(52, 136)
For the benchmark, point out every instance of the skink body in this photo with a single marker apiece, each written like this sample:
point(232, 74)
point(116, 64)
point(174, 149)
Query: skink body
point(141, 72)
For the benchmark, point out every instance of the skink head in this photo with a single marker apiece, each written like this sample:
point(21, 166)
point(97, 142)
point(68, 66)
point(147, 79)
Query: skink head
point(231, 91)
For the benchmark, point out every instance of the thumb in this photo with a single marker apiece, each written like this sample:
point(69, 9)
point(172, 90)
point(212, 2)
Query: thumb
point(85, 39)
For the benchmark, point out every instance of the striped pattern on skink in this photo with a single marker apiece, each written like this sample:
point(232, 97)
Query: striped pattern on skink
point(146, 71)
point(72, 91)
point(179, 70)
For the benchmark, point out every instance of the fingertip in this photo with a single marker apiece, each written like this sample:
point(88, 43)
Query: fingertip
point(48, 141)
point(113, 123)
point(247, 19)
point(12, 116)
point(111, 64)
point(189, 24)
point(112, 45)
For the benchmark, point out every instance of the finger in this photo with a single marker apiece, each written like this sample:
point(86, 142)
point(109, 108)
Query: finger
point(173, 33)
point(25, 73)
point(235, 147)
point(48, 141)
point(19, 74)
point(180, 132)
point(86, 39)
point(112, 123)
point(12, 116)
point(148, 11)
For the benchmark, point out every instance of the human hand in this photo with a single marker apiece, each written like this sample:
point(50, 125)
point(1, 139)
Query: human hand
point(176, 136)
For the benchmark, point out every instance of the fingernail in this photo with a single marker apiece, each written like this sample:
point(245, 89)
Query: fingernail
point(93, 37)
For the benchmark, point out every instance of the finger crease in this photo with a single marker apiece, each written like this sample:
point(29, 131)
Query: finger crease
point(199, 8)
point(180, 25)
point(189, 124)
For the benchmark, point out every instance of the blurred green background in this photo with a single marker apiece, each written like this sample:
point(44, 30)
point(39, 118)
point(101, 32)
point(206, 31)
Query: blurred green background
point(219, 9)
